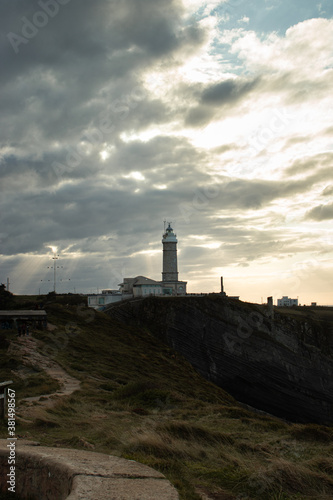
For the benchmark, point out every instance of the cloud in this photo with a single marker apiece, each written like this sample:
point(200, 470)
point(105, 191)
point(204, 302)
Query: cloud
point(321, 212)
point(305, 44)
point(328, 191)
point(115, 116)
point(214, 98)
point(226, 92)
point(244, 20)
point(309, 164)
point(58, 97)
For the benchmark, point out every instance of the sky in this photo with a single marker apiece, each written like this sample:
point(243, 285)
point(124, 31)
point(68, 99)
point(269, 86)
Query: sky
point(216, 116)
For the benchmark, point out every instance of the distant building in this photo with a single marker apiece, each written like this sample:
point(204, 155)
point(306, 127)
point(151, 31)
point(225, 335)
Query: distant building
point(14, 319)
point(140, 287)
point(287, 302)
point(100, 300)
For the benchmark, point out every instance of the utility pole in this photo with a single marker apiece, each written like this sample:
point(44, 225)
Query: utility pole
point(7, 288)
point(56, 257)
point(55, 267)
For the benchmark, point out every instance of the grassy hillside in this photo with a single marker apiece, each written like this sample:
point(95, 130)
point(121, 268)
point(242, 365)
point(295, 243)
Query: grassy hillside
point(141, 400)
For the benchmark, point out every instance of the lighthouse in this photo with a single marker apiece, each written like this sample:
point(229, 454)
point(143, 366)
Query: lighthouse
point(140, 286)
point(170, 267)
point(170, 282)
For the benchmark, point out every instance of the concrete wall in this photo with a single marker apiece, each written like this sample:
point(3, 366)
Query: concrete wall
point(37, 478)
point(57, 474)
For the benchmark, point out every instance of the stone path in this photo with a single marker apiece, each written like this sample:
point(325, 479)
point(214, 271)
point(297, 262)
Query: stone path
point(27, 349)
point(67, 473)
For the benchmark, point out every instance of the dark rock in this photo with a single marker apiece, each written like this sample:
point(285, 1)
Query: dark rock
point(283, 366)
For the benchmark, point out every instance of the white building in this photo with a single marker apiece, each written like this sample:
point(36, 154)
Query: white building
point(100, 300)
point(140, 286)
point(287, 302)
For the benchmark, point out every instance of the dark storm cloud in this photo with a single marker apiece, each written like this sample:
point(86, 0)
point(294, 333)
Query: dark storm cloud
point(81, 89)
point(80, 211)
point(252, 194)
point(76, 85)
point(164, 160)
point(88, 58)
point(227, 92)
point(87, 30)
point(161, 152)
point(214, 98)
point(100, 201)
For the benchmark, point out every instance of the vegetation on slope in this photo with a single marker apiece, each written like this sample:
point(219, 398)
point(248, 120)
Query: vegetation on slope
point(141, 400)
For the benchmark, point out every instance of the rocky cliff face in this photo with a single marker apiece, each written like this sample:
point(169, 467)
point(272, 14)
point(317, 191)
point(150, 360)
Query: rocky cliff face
point(281, 365)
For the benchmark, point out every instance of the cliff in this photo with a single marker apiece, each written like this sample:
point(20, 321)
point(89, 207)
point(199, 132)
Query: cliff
point(282, 365)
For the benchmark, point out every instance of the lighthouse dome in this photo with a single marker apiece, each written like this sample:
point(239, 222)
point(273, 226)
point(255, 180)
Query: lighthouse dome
point(169, 235)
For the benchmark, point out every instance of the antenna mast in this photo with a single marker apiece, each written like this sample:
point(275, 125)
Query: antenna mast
point(55, 257)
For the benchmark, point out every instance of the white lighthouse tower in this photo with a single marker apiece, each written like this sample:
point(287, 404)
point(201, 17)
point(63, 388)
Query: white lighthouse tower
point(170, 268)
point(171, 285)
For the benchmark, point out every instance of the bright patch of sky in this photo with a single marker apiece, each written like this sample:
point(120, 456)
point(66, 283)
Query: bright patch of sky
point(267, 16)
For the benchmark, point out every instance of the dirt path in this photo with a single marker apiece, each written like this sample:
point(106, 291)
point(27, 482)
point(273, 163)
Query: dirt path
point(27, 350)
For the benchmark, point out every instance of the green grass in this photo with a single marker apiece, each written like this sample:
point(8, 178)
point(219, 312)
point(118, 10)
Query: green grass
point(141, 400)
